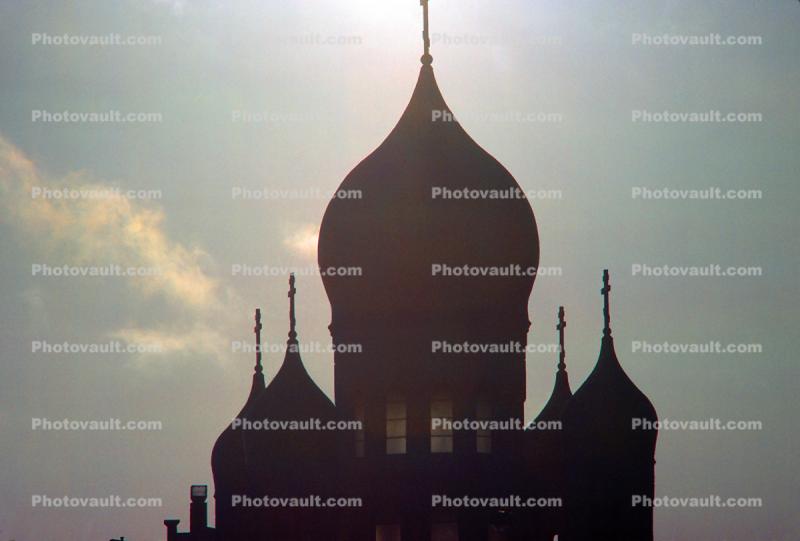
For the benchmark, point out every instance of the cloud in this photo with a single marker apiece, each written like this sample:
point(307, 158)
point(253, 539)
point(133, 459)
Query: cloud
point(121, 231)
point(303, 241)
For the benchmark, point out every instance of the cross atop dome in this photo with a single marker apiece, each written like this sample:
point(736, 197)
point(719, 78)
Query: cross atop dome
point(606, 313)
point(562, 324)
point(426, 59)
point(292, 320)
point(257, 330)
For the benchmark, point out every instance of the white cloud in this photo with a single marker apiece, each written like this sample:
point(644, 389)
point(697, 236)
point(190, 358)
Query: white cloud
point(118, 231)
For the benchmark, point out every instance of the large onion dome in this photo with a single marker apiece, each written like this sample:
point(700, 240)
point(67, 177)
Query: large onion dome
point(413, 214)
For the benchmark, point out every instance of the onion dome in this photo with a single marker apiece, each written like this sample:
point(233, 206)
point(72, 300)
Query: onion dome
point(288, 449)
point(227, 457)
point(609, 451)
point(431, 201)
point(602, 410)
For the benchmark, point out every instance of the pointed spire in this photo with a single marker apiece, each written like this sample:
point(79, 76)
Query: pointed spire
point(562, 324)
point(606, 311)
point(561, 391)
point(257, 330)
point(292, 320)
point(258, 374)
point(426, 59)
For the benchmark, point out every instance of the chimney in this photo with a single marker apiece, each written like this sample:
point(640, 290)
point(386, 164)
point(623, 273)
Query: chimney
point(198, 511)
point(172, 529)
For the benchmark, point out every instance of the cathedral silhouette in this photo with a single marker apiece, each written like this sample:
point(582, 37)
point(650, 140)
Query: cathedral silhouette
point(396, 465)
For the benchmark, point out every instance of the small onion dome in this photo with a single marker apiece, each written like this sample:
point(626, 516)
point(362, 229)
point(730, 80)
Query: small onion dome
point(601, 412)
point(429, 195)
point(599, 419)
point(561, 394)
point(227, 457)
point(287, 450)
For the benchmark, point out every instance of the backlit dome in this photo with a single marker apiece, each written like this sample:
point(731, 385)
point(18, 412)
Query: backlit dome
point(403, 225)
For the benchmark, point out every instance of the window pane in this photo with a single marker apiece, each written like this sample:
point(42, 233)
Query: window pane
point(395, 446)
point(442, 409)
point(441, 444)
point(396, 429)
point(395, 410)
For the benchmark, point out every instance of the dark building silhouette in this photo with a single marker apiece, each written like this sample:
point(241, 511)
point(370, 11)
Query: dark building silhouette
point(414, 298)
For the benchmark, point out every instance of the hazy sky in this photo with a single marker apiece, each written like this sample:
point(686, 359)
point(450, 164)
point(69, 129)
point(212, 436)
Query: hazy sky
point(319, 84)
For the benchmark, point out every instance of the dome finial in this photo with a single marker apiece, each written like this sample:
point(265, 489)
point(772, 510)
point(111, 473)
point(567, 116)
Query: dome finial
point(426, 59)
point(606, 313)
point(257, 330)
point(292, 321)
point(562, 324)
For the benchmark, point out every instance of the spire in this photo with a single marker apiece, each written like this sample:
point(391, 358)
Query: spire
point(606, 313)
point(562, 324)
point(258, 374)
point(561, 391)
point(426, 59)
point(257, 330)
point(292, 320)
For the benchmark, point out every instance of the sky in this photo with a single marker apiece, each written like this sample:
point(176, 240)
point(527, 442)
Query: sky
point(260, 96)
